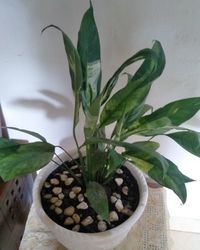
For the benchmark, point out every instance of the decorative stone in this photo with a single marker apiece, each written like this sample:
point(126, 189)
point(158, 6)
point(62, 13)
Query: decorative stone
point(102, 226)
point(74, 167)
point(52, 207)
point(82, 205)
point(87, 221)
point(78, 175)
point(61, 196)
point(119, 171)
point(48, 196)
point(80, 197)
point(119, 181)
point(69, 211)
point(76, 228)
point(58, 203)
point(113, 199)
point(69, 181)
point(76, 218)
point(113, 216)
point(99, 217)
point(118, 196)
point(119, 206)
point(47, 184)
point(72, 195)
point(54, 199)
point(125, 190)
point(54, 181)
point(65, 172)
point(57, 190)
point(76, 190)
point(127, 211)
point(58, 210)
point(63, 177)
point(68, 221)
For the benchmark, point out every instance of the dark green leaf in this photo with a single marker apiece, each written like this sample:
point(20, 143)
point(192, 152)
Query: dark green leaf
point(98, 199)
point(74, 69)
point(6, 143)
point(173, 179)
point(40, 137)
point(143, 54)
point(115, 160)
point(23, 159)
point(122, 102)
point(165, 118)
point(189, 140)
point(89, 51)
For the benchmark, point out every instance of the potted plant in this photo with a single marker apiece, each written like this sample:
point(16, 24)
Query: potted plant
point(90, 194)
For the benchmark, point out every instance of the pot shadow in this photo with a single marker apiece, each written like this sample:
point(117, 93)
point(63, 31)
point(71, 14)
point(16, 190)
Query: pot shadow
point(64, 108)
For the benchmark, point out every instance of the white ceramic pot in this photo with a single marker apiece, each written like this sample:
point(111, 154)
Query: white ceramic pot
point(89, 241)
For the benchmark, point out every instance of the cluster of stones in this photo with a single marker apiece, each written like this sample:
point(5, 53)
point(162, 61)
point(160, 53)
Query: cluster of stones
point(56, 195)
point(116, 200)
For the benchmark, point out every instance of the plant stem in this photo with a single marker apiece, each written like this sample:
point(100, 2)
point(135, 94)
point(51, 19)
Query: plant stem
point(68, 169)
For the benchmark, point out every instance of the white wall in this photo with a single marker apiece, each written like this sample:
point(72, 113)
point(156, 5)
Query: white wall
point(35, 84)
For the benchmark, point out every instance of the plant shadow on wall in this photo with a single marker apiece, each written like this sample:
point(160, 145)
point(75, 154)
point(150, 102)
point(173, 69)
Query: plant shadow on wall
point(101, 164)
point(63, 108)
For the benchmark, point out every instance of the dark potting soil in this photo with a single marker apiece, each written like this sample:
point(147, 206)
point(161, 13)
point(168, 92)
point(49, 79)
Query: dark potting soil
point(129, 201)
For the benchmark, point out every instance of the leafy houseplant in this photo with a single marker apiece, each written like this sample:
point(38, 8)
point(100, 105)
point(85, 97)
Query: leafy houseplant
point(125, 109)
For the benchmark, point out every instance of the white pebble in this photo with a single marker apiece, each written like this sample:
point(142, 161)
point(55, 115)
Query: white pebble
point(69, 181)
point(80, 197)
point(68, 221)
point(76, 190)
point(61, 196)
point(76, 218)
point(119, 181)
point(119, 206)
point(72, 195)
point(99, 217)
point(63, 177)
point(69, 211)
point(47, 184)
point(118, 196)
point(102, 226)
point(58, 210)
point(82, 205)
point(57, 190)
point(76, 228)
point(87, 221)
point(47, 196)
point(127, 211)
point(54, 181)
point(119, 171)
point(74, 167)
point(113, 216)
point(54, 199)
point(58, 203)
point(113, 199)
point(125, 190)
point(78, 175)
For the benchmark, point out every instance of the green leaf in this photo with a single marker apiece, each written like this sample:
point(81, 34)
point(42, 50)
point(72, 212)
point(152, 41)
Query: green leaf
point(115, 160)
point(173, 179)
point(189, 140)
point(143, 54)
point(22, 159)
point(89, 51)
point(74, 69)
point(6, 143)
point(158, 50)
point(165, 118)
point(34, 134)
point(122, 102)
point(98, 199)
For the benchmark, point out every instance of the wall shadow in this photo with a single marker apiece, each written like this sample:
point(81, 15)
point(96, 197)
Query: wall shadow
point(63, 108)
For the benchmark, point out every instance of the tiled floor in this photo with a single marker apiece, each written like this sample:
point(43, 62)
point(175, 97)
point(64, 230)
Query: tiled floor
point(184, 240)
